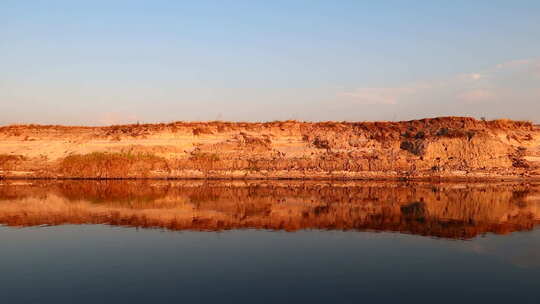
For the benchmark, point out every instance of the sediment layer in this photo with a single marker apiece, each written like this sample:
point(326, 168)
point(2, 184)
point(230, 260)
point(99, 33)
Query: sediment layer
point(447, 147)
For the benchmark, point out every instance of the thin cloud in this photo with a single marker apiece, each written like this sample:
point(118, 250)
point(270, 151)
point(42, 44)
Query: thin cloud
point(382, 96)
point(509, 88)
point(474, 76)
point(472, 87)
point(477, 95)
point(115, 118)
point(536, 69)
point(515, 63)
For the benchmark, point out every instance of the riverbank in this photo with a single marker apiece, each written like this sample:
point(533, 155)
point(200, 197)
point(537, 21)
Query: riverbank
point(448, 148)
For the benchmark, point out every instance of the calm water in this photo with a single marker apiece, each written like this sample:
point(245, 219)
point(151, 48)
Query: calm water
point(267, 242)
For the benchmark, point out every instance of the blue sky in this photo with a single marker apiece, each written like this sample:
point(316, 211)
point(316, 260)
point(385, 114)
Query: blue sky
point(103, 62)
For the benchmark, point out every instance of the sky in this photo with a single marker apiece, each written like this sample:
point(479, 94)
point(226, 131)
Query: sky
point(110, 62)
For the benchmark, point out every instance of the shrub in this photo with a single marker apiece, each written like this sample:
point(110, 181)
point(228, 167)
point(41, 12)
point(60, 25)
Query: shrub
point(4, 158)
point(420, 135)
point(456, 133)
point(199, 131)
point(415, 147)
point(202, 161)
point(321, 143)
point(204, 156)
point(9, 161)
point(109, 165)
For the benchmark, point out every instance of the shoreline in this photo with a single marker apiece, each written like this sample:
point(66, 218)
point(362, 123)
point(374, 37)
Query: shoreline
point(438, 148)
point(329, 179)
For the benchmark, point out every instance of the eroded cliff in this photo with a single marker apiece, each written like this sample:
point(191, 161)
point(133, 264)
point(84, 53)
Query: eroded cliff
point(447, 147)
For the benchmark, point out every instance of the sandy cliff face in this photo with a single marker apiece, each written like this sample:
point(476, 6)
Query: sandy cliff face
point(439, 147)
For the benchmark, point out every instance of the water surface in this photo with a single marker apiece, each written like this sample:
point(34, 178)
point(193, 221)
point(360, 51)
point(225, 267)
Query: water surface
point(267, 242)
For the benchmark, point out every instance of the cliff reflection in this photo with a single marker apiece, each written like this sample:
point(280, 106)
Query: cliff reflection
point(450, 210)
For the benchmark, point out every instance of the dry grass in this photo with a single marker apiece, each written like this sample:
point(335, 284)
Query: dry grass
point(110, 165)
point(510, 124)
point(380, 131)
point(202, 161)
point(10, 157)
point(9, 161)
point(203, 156)
point(455, 133)
point(202, 131)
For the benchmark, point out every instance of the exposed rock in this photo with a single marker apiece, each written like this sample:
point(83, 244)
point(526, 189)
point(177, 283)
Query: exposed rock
point(447, 147)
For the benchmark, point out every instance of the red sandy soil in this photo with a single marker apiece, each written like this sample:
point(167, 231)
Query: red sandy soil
point(446, 147)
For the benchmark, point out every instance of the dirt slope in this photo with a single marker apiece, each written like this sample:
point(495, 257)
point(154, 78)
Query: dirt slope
point(447, 147)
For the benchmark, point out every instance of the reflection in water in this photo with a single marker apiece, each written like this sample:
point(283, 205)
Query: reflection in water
point(449, 210)
point(319, 264)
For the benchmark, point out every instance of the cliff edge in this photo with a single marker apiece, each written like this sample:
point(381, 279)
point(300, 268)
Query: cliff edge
point(445, 147)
